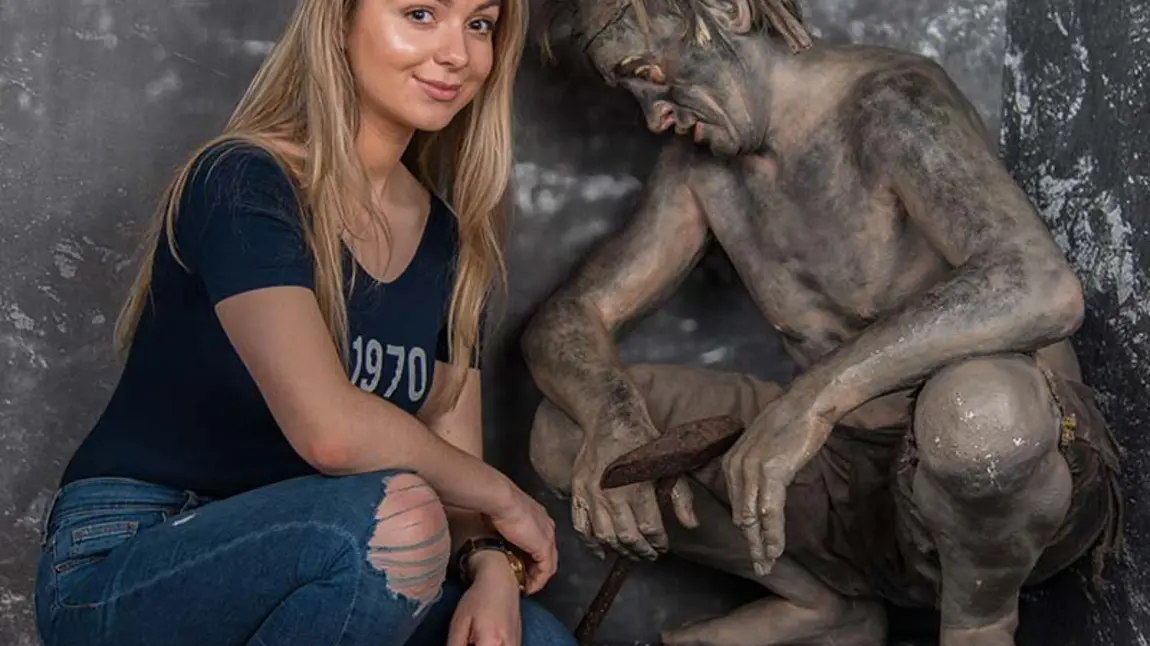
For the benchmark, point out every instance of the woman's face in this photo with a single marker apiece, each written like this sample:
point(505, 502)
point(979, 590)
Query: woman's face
point(417, 63)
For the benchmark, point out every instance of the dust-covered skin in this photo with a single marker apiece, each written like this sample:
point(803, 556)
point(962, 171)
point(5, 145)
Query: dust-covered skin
point(858, 195)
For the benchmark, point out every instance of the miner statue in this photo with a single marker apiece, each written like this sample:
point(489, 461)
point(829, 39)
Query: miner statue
point(937, 448)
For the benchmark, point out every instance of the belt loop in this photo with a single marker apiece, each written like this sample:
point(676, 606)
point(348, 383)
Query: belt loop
point(47, 517)
point(192, 502)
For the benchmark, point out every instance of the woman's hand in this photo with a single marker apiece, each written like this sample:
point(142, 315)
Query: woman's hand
point(488, 613)
point(525, 524)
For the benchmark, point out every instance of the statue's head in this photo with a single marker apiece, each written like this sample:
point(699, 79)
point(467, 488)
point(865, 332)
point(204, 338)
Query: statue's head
point(695, 66)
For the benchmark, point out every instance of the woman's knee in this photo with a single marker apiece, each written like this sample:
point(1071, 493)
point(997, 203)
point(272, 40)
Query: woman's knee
point(410, 543)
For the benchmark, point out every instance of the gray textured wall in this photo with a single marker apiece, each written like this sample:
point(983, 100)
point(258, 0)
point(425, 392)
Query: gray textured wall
point(1077, 136)
point(100, 99)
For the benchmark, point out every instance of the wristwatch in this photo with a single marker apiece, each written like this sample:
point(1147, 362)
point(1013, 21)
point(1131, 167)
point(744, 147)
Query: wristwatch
point(473, 545)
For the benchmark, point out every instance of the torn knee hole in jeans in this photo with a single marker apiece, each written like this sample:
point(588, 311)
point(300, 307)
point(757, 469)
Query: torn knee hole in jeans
point(411, 544)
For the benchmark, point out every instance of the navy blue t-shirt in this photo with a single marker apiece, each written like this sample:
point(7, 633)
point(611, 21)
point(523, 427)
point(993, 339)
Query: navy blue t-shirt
point(186, 412)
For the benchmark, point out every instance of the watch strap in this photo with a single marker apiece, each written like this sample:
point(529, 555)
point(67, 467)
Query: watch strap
point(473, 545)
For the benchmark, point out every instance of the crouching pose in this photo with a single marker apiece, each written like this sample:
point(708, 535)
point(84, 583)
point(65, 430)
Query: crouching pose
point(937, 448)
point(293, 455)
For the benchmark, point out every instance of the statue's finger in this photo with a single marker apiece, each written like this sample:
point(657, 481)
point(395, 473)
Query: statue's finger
point(602, 526)
point(580, 515)
point(748, 501)
point(772, 495)
point(748, 521)
point(631, 540)
point(753, 534)
point(683, 501)
point(649, 519)
point(581, 523)
point(734, 477)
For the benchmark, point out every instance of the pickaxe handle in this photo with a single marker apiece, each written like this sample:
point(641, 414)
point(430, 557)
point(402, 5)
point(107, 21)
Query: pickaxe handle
point(680, 450)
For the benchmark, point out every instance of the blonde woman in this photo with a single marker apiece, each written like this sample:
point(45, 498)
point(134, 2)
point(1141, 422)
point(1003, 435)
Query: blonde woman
point(293, 453)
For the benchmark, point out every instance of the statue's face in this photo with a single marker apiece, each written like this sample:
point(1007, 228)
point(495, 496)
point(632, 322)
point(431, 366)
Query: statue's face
point(698, 90)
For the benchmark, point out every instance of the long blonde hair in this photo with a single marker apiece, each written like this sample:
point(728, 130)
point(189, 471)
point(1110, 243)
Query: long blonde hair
point(304, 94)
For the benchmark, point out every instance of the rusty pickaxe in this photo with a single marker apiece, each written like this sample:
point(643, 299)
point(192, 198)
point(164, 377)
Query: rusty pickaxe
point(678, 451)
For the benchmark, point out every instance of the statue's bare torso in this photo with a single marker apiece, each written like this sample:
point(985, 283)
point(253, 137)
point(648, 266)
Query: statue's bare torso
point(824, 245)
point(819, 269)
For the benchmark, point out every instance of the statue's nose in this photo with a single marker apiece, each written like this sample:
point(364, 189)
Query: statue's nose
point(660, 116)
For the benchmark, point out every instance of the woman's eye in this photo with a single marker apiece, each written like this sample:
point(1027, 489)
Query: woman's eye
point(419, 15)
point(482, 25)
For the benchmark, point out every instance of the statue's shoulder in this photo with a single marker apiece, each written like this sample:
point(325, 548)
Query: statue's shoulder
point(888, 74)
point(893, 89)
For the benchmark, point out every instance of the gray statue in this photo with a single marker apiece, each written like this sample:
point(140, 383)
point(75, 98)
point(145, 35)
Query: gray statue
point(937, 448)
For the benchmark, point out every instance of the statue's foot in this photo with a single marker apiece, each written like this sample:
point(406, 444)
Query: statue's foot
point(999, 633)
point(778, 622)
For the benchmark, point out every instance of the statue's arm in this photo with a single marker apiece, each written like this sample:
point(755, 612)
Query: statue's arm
point(1010, 288)
point(568, 345)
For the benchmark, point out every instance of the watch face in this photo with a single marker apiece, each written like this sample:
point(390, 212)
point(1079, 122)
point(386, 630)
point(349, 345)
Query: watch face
point(518, 568)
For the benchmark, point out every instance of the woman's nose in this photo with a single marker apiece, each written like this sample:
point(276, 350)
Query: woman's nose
point(452, 51)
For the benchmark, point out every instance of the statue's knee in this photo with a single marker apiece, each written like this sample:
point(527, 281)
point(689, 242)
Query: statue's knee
point(984, 426)
point(411, 544)
point(553, 446)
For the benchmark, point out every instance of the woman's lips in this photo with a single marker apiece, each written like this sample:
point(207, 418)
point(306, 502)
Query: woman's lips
point(438, 91)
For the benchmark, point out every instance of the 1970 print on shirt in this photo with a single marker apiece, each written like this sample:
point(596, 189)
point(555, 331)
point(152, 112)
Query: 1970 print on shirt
point(374, 363)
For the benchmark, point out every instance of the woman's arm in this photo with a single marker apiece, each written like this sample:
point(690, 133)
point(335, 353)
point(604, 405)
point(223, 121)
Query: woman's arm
point(462, 427)
point(280, 335)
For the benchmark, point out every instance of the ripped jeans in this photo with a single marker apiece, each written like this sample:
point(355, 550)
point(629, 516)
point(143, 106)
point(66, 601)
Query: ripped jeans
point(315, 561)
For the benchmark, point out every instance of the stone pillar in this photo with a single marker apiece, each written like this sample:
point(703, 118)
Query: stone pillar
point(1076, 135)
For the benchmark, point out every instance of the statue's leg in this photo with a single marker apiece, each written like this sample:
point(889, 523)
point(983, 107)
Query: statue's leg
point(801, 609)
point(991, 487)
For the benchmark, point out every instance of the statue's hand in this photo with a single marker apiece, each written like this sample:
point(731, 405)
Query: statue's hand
point(627, 519)
point(760, 467)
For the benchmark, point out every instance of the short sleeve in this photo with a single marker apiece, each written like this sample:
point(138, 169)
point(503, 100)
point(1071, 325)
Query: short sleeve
point(239, 226)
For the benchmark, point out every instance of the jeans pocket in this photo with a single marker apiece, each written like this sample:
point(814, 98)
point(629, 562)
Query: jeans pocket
point(91, 543)
point(80, 545)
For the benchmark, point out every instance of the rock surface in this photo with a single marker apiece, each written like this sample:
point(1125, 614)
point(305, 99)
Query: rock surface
point(1076, 133)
